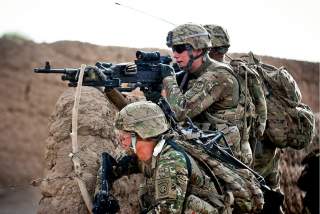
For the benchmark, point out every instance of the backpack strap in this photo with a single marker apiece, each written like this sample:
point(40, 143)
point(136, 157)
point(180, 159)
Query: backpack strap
point(173, 144)
point(200, 161)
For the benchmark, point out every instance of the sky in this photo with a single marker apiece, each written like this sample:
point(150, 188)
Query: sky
point(280, 28)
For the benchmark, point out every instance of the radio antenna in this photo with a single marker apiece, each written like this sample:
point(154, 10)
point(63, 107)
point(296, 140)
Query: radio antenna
point(145, 13)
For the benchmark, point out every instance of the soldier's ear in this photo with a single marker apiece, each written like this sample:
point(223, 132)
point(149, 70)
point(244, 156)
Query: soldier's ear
point(197, 52)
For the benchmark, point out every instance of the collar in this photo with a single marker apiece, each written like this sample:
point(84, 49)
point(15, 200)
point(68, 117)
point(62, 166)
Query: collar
point(158, 148)
point(156, 151)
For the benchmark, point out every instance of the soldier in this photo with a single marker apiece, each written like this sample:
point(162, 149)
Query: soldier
point(220, 41)
point(170, 172)
point(220, 45)
point(266, 155)
point(209, 92)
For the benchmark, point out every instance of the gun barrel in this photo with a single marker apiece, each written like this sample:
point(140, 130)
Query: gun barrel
point(56, 70)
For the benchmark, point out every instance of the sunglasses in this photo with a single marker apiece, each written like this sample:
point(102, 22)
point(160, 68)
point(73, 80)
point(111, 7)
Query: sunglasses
point(180, 48)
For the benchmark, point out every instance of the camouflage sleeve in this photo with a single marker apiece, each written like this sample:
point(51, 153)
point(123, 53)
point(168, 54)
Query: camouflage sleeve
point(207, 89)
point(259, 101)
point(171, 179)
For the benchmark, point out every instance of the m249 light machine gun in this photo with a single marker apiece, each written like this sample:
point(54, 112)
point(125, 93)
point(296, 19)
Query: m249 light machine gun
point(144, 73)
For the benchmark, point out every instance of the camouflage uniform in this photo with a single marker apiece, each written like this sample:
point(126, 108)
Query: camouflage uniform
point(266, 156)
point(167, 187)
point(174, 181)
point(212, 97)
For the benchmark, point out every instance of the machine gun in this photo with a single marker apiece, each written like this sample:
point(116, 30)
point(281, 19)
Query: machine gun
point(104, 202)
point(145, 73)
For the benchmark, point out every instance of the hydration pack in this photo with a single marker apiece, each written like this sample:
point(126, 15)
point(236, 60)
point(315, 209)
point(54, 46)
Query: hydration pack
point(289, 121)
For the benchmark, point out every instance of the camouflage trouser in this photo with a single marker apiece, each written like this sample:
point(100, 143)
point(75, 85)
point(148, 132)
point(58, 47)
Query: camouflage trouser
point(266, 162)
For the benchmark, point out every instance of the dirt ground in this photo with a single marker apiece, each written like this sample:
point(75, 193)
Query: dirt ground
point(19, 200)
point(27, 101)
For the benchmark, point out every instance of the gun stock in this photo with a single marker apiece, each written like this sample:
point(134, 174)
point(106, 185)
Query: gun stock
point(116, 98)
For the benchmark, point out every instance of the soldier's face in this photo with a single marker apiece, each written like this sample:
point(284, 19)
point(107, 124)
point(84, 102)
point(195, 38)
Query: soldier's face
point(182, 57)
point(125, 139)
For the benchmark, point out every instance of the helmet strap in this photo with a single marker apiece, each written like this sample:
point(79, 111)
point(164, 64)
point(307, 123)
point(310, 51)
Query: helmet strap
point(192, 58)
point(133, 141)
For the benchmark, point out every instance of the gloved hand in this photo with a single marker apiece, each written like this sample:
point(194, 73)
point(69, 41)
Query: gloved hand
point(260, 131)
point(166, 70)
point(152, 96)
point(246, 153)
point(93, 73)
point(126, 165)
point(131, 68)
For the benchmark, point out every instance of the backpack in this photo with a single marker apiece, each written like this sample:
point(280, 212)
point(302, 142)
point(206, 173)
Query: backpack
point(289, 121)
point(245, 188)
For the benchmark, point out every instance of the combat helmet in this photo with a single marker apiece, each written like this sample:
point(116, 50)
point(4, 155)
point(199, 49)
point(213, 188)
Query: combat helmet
point(192, 34)
point(219, 36)
point(144, 118)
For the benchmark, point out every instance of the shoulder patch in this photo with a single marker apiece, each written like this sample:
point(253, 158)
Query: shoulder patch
point(199, 86)
point(163, 187)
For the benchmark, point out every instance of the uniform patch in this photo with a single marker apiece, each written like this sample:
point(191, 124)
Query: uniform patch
point(211, 85)
point(163, 188)
point(198, 86)
point(164, 172)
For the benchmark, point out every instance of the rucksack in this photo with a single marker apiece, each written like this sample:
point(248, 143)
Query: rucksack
point(290, 122)
point(245, 188)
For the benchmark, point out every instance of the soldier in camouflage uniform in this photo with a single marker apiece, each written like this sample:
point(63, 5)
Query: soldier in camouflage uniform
point(171, 174)
point(209, 92)
point(220, 41)
point(266, 160)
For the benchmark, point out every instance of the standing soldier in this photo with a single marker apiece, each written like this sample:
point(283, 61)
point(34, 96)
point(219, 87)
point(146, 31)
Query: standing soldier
point(209, 92)
point(220, 44)
point(266, 155)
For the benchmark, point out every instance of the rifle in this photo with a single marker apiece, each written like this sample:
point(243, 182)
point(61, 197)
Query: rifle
point(209, 141)
point(124, 77)
point(104, 202)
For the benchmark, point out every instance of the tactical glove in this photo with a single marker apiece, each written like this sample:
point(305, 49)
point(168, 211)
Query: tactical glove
point(166, 70)
point(126, 165)
point(260, 131)
point(152, 96)
point(246, 153)
point(94, 73)
point(131, 68)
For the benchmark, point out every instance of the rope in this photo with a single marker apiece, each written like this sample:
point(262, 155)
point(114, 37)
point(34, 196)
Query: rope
point(75, 147)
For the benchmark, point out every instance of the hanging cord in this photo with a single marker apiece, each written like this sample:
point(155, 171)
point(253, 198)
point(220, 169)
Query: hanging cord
point(75, 147)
